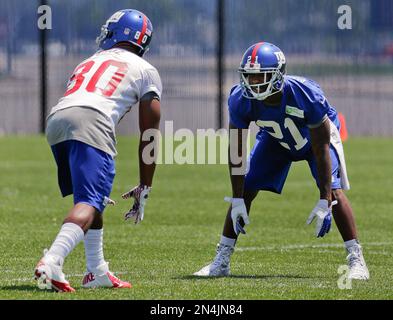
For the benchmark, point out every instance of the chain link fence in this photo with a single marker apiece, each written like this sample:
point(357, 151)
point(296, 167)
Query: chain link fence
point(354, 66)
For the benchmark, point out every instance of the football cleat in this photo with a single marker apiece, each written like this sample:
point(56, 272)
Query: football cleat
point(102, 277)
point(220, 267)
point(50, 276)
point(357, 266)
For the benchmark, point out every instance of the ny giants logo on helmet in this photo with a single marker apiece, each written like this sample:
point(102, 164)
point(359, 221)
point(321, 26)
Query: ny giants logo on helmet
point(280, 57)
point(115, 17)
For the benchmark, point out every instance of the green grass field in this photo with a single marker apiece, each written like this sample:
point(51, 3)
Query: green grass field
point(279, 258)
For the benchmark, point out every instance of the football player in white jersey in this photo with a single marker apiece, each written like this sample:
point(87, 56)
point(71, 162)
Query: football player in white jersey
point(81, 132)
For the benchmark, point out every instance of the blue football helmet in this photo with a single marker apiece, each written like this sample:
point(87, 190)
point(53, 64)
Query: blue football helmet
point(267, 60)
point(126, 26)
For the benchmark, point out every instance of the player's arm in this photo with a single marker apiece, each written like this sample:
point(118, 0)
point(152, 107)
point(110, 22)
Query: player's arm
point(149, 121)
point(149, 118)
point(237, 159)
point(237, 169)
point(320, 142)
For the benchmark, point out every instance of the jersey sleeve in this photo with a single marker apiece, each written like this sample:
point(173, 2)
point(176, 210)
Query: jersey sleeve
point(238, 112)
point(317, 112)
point(151, 82)
point(315, 104)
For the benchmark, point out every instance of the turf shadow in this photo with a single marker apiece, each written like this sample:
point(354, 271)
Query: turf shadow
point(245, 276)
point(20, 288)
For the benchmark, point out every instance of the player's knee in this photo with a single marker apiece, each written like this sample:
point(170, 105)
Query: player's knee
point(82, 218)
point(83, 223)
point(337, 194)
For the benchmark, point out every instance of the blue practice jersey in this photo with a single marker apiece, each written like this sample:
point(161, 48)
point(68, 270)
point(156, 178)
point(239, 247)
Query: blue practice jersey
point(303, 106)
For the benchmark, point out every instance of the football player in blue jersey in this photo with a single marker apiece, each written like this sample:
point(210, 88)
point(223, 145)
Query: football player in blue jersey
point(296, 123)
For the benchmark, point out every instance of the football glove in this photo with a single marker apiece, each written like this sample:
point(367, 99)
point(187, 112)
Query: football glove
point(140, 194)
point(323, 213)
point(238, 211)
point(108, 201)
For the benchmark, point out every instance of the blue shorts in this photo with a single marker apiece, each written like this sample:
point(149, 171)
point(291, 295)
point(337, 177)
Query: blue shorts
point(269, 164)
point(84, 171)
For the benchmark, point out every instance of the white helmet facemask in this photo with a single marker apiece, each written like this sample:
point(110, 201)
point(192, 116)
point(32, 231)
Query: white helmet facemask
point(273, 81)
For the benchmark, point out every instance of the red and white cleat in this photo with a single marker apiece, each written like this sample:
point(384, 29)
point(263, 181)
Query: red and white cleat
point(102, 277)
point(50, 276)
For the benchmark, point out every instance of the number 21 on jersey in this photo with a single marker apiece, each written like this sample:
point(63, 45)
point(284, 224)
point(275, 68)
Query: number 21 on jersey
point(277, 132)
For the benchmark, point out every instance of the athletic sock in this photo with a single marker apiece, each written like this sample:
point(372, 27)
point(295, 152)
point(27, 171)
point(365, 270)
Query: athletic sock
point(94, 248)
point(227, 241)
point(69, 236)
point(352, 243)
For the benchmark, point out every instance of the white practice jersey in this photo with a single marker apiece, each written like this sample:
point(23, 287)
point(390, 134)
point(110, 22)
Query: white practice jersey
point(102, 89)
point(110, 81)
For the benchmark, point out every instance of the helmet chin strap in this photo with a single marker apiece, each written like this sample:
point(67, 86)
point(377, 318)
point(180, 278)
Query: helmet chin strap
point(271, 92)
point(269, 95)
point(263, 95)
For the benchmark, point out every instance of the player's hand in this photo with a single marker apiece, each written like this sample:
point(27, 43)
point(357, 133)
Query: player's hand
point(238, 211)
point(323, 213)
point(140, 194)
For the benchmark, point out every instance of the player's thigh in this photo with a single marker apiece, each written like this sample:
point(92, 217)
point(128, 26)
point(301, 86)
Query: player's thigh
point(61, 154)
point(336, 179)
point(268, 166)
point(92, 172)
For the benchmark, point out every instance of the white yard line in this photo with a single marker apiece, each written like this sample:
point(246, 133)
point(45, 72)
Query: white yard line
point(261, 248)
point(309, 246)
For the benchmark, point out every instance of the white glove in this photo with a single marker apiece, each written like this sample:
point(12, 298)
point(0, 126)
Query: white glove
point(140, 194)
point(238, 211)
point(323, 213)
